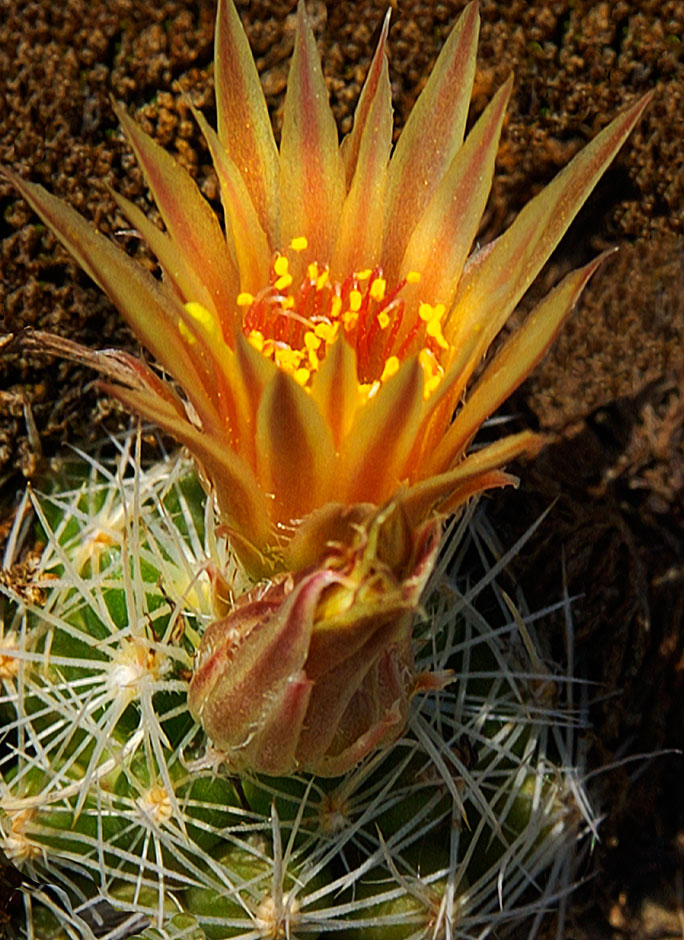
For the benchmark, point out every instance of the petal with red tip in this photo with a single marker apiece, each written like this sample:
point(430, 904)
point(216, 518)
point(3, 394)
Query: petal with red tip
point(431, 137)
point(295, 452)
point(244, 126)
point(188, 217)
point(442, 239)
point(489, 291)
point(312, 173)
point(366, 153)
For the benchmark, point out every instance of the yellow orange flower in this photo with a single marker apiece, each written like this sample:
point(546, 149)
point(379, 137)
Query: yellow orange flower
point(323, 341)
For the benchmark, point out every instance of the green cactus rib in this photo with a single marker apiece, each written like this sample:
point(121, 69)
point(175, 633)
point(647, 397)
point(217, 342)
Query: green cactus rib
point(126, 821)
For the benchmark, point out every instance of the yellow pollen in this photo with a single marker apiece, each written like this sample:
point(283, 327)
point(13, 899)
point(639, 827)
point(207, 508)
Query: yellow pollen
point(311, 341)
point(391, 368)
point(377, 288)
point(281, 265)
point(245, 299)
point(299, 243)
point(185, 332)
point(312, 271)
point(327, 331)
point(355, 300)
point(349, 319)
point(425, 312)
point(413, 277)
point(256, 339)
point(322, 280)
point(383, 319)
point(283, 282)
point(363, 275)
point(301, 376)
point(314, 361)
point(288, 359)
point(289, 302)
point(434, 329)
point(335, 307)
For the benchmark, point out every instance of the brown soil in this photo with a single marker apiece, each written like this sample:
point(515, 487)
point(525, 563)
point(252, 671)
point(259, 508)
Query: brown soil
point(612, 390)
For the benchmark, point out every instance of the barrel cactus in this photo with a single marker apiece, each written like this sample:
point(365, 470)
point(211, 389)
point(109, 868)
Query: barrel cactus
point(124, 821)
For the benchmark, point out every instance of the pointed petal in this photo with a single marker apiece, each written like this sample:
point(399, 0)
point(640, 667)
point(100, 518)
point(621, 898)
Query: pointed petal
point(251, 245)
point(435, 493)
point(294, 449)
point(442, 239)
point(150, 309)
point(431, 138)
point(244, 126)
point(511, 366)
point(377, 446)
point(372, 89)
point(366, 156)
point(241, 501)
point(312, 173)
point(186, 279)
point(188, 217)
point(490, 290)
point(334, 388)
point(253, 373)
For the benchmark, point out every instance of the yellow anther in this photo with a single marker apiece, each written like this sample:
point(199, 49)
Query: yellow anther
point(288, 359)
point(281, 265)
point(349, 319)
point(301, 376)
point(299, 243)
point(431, 385)
point(327, 331)
point(438, 311)
point(425, 311)
point(245, 299)
point(289, 302)
point(283, 282)
point(322, 280)
point(256, 339)
point(383, 319)
point(363, 275)
point(311, 341)
point(377, 288)
point(314, 361)
point(312, 271)
point(391, 368)
point(434, 329)
point(413, 277)
point(355, 300)
point(335, 307)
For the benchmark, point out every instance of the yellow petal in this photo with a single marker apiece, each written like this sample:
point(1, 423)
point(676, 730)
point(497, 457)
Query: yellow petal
point(244, 126)
point(381, 437)
point(294, 449)
point(511, 366)
point(334, 388)
point(188, 217)
point(312, 173)
point(431, 138)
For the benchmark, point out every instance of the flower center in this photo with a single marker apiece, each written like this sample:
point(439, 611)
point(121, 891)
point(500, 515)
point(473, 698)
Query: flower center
point(295, 319)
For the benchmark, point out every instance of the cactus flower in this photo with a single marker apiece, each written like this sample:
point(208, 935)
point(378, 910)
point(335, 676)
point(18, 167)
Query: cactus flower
point(318, 350)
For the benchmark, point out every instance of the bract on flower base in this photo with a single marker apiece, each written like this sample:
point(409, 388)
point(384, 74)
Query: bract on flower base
point(316, 670)
point(321, 345)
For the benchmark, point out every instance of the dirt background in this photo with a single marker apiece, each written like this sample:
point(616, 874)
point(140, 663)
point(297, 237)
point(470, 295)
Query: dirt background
point(611, 391)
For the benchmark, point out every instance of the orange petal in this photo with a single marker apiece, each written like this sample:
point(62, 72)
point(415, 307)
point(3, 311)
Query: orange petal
point(431, 138)
point(251, 246)
point(241, 501)
point(378, 444)
point(334, 388)
point(512, 364)
point(244, 126)
point(188, 217)
point(434, 494)
point(442, 239)
point(151, 310)
point(187, 280)
point(366, 153)
point(294, 449)
point(312, 173)
point(489, 290)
